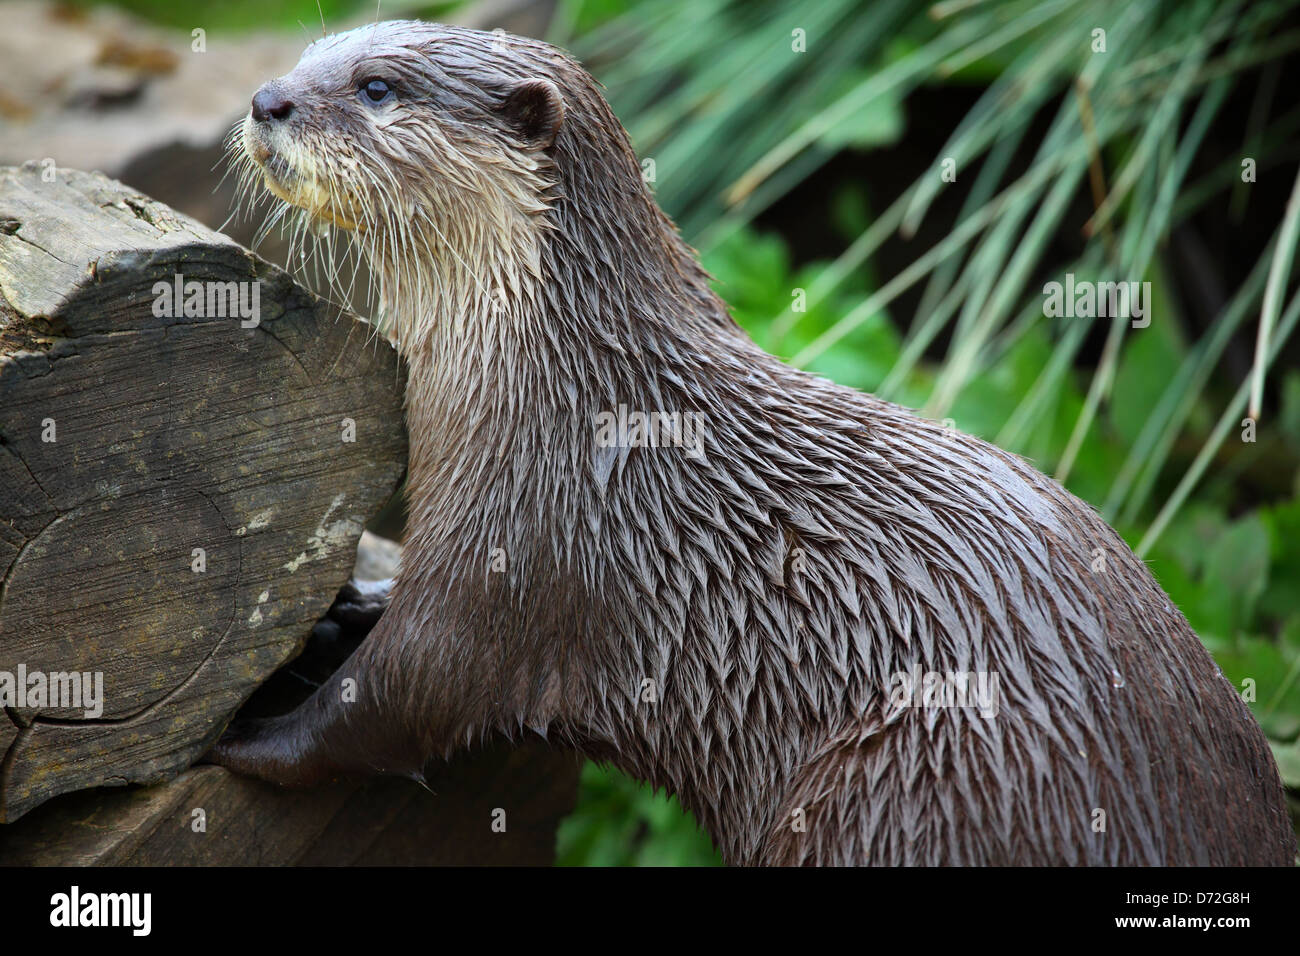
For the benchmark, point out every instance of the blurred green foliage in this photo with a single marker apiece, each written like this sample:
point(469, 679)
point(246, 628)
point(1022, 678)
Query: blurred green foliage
point(620, 822)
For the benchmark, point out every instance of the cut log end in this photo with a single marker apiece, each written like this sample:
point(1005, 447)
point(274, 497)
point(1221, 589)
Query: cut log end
point(189, 447)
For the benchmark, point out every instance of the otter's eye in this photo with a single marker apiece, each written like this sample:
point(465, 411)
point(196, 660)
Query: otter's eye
point(376, 91)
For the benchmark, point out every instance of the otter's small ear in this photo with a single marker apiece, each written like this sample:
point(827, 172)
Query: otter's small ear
point(535, 110)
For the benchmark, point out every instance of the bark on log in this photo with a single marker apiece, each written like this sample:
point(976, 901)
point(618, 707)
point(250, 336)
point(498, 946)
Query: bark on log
point(129, 439)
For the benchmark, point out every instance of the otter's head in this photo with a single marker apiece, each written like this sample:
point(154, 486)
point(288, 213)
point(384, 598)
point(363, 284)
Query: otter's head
point(433, 145)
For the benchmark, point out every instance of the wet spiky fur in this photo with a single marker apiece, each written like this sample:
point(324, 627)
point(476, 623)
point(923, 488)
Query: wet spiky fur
point(728, 626)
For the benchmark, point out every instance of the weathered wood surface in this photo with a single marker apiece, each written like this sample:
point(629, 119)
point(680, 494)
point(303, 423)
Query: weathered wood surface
point(207, 816)
point(170, 434)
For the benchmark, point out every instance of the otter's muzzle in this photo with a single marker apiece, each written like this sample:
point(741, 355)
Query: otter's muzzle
point(271, 103)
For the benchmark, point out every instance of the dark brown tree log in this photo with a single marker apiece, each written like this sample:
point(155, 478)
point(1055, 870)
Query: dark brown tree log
point(208, 816)
point(180, 495)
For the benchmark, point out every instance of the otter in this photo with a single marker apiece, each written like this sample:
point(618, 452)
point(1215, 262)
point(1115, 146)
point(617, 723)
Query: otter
point(840, 633)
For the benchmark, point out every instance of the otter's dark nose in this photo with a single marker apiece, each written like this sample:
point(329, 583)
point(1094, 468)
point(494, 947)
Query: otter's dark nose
point(269, 103)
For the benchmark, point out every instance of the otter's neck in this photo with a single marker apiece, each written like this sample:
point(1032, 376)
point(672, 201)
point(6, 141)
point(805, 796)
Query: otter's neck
point(515, 499)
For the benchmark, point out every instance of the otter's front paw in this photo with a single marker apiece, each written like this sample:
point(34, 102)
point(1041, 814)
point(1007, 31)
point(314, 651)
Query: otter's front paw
point(236, 748)
point(265, 749)
point(355, 611)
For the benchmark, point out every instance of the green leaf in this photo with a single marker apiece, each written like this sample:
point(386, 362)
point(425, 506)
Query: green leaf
point(1288, 762)
point(1236, 572)
point(1281, 597)
point(1150, 360)
point(1272, 667)
point(880, 122)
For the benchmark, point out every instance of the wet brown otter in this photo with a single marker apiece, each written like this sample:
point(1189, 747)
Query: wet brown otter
point(769, 622)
